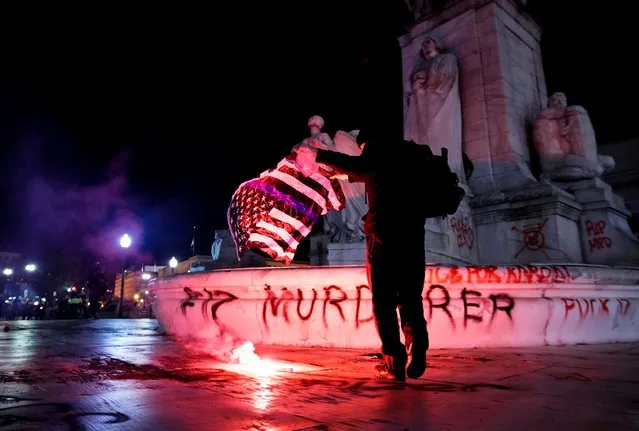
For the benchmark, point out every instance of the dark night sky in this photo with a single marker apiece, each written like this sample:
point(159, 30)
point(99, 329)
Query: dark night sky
point(153, 117)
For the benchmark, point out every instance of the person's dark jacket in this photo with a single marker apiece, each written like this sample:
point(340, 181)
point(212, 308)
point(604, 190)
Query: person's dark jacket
point(396, 205)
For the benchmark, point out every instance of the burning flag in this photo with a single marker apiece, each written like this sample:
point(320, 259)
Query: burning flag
point(272, 214)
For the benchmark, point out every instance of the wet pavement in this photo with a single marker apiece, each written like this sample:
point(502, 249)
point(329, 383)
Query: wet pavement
point(124, 375)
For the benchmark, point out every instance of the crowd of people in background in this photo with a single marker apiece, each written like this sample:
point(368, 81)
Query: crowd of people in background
point(69, 305)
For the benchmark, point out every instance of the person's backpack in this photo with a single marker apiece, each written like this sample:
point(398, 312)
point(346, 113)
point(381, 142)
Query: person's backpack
point(442, 193)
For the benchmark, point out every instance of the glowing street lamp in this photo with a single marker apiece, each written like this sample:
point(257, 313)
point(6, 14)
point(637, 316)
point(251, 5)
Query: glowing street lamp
point(146, 276)
point(30, 267)
point(173, 263)
point(7, 271)
point(125, 243)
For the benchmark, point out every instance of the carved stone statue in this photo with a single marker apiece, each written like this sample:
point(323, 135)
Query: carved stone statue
point(565, 141)
point(433, 105)
point(305, 161)
point(223, 248)
point(347, 225)
point(315, 123)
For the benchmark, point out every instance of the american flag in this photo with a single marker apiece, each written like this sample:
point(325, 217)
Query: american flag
point(272, 214)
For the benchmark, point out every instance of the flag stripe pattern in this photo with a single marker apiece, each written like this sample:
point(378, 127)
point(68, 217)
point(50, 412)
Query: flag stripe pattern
point(272, 214)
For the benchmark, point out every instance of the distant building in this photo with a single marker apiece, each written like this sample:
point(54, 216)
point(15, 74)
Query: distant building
point(135, 282)
point(193, 264)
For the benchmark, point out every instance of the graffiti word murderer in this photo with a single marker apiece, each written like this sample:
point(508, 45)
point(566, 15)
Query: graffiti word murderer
point(332, 304)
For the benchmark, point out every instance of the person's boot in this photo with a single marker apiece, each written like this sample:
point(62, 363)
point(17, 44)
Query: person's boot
point(394, 367)
point(417, 365)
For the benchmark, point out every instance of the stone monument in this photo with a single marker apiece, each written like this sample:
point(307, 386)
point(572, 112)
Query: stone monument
point(501, 86)
point(343, 239)
point(511, 216)
point(565, 141)
point(433, 117)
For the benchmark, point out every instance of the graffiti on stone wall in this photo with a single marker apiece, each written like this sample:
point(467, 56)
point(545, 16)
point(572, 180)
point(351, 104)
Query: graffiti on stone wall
point(214, 300)
point(532, 237)
point(596, 231)
point(331, 305)
point(498, 275)
point(437, 297)
point(327, 304)
point(593, 307)
point(463, 232)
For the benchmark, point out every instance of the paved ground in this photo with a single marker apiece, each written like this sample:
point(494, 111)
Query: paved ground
point(122, 374)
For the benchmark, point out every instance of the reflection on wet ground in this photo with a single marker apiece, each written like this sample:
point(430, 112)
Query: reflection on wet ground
point(123, 374)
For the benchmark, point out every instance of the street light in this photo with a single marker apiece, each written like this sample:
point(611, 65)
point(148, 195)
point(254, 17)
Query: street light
point(146, 276)
point(125, 242)
point(173, 263)
point(7, 271)
point(30, 267)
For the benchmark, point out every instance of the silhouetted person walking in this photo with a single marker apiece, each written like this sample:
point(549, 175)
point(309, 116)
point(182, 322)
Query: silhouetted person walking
point(395, 176)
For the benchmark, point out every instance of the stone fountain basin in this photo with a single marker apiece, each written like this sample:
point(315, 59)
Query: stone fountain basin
point(467, 306)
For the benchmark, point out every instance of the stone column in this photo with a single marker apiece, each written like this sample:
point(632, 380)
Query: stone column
point(509, 217)
point(502, 84)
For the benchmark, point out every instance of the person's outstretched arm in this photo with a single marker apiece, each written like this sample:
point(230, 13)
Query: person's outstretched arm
point(356, 167)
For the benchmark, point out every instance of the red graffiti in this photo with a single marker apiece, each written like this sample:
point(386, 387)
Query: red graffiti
point(275, 303)
point(334, 302)
point(500, 302)
point(597, 230)
point(300, 298)
point(359, 321)
point(218, 298)
point(442, 304)
point(463, 231)
point(496, 275)
point(533, 236)
point(190, 296)
point(437, 297)
point(214, 299)
point(624, 306)
point(590, 307)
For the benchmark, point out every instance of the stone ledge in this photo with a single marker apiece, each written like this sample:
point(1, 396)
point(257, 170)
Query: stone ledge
point(527, 210)
point(524, 204)
point(469, 306)
point(519, 195)
point(544, 275)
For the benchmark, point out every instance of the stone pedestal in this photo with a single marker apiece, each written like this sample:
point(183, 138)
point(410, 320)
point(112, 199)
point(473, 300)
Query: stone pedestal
point(606, 237)
point(341, 253)
point(452, 240)
point(318, 253)
point(324, 252)
point(535, 225)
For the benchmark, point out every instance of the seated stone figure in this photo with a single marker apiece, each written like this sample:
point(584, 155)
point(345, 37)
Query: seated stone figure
point(565, 141)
